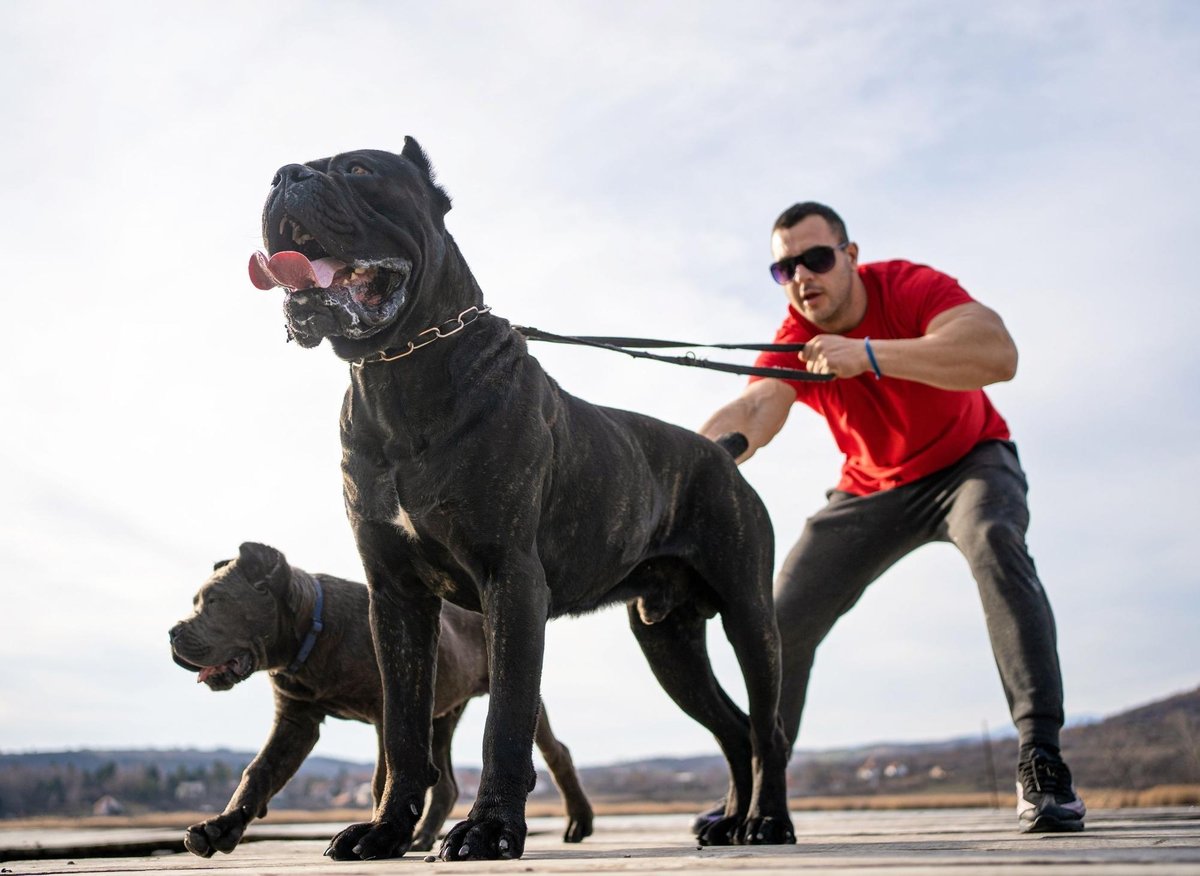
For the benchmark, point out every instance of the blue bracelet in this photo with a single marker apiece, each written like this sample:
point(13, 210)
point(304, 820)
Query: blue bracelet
point(871, 356)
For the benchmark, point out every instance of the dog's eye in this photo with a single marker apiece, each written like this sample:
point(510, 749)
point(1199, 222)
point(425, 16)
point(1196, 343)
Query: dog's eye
point(359, 170)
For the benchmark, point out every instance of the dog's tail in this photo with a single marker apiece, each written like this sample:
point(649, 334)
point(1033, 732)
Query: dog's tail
point(734, 442)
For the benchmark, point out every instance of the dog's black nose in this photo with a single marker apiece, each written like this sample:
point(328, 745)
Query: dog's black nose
point(292, 173)
point(174, 631)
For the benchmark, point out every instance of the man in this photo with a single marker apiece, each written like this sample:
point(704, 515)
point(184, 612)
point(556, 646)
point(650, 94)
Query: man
point(928, 458)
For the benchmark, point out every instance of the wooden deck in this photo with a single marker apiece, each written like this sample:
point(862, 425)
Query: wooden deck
point(951, 842)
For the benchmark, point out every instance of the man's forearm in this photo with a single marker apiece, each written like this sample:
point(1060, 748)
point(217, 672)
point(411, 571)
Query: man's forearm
point(970, 351)
point(964, 348)
point(758, 414)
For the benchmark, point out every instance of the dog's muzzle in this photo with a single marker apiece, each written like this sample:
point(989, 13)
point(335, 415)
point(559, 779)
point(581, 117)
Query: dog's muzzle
point(327, 296)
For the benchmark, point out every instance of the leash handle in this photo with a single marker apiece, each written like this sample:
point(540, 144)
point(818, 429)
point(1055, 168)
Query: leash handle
point(605, 343)
point(733, 442)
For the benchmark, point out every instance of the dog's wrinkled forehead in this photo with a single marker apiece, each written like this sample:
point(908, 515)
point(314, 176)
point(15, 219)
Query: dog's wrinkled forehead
point(228, 582)
point(387, 174)
point(370, 160)
point(226, 577)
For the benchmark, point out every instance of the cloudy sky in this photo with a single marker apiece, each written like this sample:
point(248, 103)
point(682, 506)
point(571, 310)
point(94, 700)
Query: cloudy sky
point(612, 172)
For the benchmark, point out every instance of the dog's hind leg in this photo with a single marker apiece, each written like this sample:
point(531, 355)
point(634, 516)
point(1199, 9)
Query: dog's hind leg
point(562, 769)
point(444, 794)
point(738, 575)
point(756, 646)
point(677, 652)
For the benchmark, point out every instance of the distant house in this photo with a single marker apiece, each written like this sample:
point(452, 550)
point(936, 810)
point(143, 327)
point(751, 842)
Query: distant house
point(190, 791)
point(869, 771)
point(360, 796)
point(108, 805)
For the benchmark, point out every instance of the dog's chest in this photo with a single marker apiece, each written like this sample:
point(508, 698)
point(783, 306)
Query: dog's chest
point(349, 705)
point(382, 495)
point(403, 522)
point(384, 486)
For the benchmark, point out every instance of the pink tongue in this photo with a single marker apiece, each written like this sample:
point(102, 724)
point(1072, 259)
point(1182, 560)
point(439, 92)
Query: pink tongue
point(292, 270)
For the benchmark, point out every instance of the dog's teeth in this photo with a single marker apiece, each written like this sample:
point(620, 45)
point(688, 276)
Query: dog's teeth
point(282, 223)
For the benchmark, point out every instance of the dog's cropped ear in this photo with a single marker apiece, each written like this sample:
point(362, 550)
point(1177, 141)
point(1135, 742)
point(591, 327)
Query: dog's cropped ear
point(260, 562)
point(413, 152)
point(221, 564)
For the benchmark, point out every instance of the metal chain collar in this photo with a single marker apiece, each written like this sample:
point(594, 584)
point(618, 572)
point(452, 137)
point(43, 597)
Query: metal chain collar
point(427, 337)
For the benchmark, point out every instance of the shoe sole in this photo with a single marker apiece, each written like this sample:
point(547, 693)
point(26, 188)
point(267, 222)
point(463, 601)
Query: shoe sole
point(1050, 824)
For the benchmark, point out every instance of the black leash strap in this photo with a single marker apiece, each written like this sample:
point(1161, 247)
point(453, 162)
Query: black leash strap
point(638, 345)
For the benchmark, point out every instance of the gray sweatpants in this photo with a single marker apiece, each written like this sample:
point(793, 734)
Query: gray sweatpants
point(978, 505)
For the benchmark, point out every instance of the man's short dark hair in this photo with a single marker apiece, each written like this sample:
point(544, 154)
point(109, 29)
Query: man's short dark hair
point(799, 212)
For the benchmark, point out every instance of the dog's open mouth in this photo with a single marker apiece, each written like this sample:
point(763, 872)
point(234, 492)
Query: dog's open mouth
point(368, 283)
point(328, 296)
point(223, 675)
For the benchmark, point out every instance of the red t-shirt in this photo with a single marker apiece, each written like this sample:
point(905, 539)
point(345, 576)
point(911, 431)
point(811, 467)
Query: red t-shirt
point(892, 431)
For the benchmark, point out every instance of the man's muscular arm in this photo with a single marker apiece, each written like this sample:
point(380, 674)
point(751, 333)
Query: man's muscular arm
point(966, 347)
point(758, 413)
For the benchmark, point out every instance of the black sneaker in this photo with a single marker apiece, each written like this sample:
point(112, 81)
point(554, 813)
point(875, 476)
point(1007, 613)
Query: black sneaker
point(1046, 798)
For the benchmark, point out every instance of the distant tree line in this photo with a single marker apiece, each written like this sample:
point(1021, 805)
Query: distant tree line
point(1155, 745)
point(67, 789)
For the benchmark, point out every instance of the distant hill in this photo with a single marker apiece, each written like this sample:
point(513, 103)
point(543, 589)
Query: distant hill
point(1148, 746)
point(1151, 745)
point(167, 760)
point(1155, 744)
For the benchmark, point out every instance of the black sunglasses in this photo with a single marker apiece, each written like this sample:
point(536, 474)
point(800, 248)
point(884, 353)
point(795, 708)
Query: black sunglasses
point(818, 259)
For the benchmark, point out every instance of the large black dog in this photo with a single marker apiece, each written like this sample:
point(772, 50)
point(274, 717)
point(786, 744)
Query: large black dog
point(471, 477)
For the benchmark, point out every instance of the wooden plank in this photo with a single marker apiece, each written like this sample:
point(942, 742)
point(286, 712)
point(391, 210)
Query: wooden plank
point(1116, 843)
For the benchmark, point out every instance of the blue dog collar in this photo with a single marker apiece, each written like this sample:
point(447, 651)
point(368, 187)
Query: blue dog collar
point(311, 639)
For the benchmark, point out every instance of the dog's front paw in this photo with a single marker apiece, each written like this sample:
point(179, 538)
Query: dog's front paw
point(369, 840)
point(768, 831)
point(719, 832)
point(484, 839)
point(578, 827)
point(220, 834)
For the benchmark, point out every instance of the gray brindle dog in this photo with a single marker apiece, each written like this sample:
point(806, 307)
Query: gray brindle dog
point(311, 632)
point(472, 479)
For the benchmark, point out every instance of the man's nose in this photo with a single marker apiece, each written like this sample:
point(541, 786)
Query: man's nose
point(801, 274)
